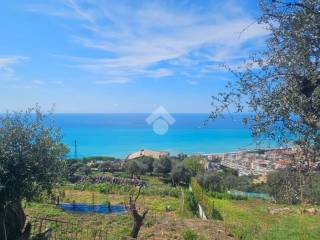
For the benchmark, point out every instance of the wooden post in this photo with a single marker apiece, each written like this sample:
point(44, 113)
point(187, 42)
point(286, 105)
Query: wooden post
point(40, 227)
point(109, 207)
point(202, 193)
point(77, 231)
point(55, 232)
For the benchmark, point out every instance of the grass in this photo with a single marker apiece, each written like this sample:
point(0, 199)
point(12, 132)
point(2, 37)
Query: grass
point(191, 235)
point(118, 226)
point(155, 187)
point(250, 219)
point(245, 219)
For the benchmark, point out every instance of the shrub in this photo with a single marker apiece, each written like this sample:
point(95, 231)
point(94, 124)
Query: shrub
point(162, 166)
point(217, 215)
point(202, 198)
point(147, 162)
point(195, 164)
point(285, 186)
point(136, 168)
point(191, 202)
point(212, 182)
point(180, 174)
point(106, 188)
point(162, 191)
point(227, 196)
point(189, 235)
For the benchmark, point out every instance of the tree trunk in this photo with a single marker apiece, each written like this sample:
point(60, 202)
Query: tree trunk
point(137, 218)
point(3, 229)
point(12, 219)
point(137, 223)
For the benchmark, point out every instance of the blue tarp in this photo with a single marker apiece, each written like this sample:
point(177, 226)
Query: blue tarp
point(84, 207)
point(251, 194)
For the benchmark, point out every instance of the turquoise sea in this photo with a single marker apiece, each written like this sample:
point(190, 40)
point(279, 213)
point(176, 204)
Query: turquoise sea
point(120, 134)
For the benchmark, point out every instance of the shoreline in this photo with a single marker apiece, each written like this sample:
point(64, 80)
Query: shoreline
point(205, 154)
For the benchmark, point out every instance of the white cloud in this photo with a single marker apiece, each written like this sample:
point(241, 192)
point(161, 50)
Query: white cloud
point(111, 81)
point(24, 86)
point(37, 82)
point(7, 60)
point(192, 82)
point(136, 38)
point(7, 71)
point(27, 84)
point(159, 73)
point(56, 82)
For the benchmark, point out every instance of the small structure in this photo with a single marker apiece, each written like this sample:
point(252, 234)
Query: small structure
point(148, 153)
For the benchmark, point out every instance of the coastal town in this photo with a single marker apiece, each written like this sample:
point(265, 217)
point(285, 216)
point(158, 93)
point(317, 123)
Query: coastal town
point(245, 162)
point(251, 162)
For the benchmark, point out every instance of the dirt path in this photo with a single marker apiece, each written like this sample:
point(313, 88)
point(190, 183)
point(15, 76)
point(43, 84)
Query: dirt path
point(168, 228)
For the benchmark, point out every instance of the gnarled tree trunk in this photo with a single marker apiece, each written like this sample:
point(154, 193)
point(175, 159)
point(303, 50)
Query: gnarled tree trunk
point(12, 222)
point(137, 218)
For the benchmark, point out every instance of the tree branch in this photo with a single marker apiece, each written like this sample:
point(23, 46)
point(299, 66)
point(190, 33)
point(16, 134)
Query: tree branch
point(138, 193)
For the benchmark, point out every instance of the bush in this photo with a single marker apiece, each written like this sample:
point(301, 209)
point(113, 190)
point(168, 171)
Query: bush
point(212, 182)
point(191, 202)
point(202, 198)
point(241, 183)
point(284, 186)
point(227, 196)
point(147, 162)
point(85, 170)
point(189, 235)
point(103, 187)
point(162, 191)
point(217, 215)
point(162, 166)
point(106, 188)
point(195, 164)
point(180, 175)
point(99, 158)
point(136, 168)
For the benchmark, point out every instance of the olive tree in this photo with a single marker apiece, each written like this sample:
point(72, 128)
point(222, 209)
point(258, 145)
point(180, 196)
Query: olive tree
point(136, 168)
point(162, 166)
point(30, 155)
point(195, 164)
point(180, 174)
point(137, 217)
point(280, 86)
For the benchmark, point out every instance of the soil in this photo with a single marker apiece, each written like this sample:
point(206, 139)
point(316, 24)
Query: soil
point(170, 228)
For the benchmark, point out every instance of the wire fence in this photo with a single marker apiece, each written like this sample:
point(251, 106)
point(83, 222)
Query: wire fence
point(63, 230)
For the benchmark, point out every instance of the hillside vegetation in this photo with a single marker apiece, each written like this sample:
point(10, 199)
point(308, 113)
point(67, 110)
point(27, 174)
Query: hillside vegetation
point(171, 218)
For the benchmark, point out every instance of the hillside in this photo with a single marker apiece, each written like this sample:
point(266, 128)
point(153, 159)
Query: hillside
point(169, 216)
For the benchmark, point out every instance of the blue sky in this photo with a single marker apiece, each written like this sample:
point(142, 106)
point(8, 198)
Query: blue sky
point(122, 56)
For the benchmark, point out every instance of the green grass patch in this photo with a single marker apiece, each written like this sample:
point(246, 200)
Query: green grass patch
point(251, 220)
